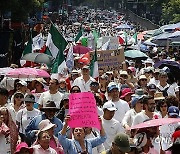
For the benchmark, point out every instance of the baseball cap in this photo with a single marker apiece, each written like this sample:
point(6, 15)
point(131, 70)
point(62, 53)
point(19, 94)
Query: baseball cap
point(125, 92)
point(152, 87)
point(110, 106)
point(136, 99)
point(21, 146)
point(121, 140)
point(29, 98)
point(111, 87)
point(85, 67)
point(123, 73)
point(23, 83)
point(142, 77)
point(173, 111)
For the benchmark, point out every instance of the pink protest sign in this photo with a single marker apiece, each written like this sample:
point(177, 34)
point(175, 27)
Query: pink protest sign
point(83, 110)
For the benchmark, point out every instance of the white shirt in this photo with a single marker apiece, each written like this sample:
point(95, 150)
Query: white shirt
point(122, 107)
point(39, 150)
point(24, 117)
point(129, 117)
point(5, 147)
point(141, 117)
point(46, 96)
point(112, 128)
point(84, 86)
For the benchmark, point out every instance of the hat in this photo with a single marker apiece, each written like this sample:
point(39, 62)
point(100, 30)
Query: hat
point(74, 72)
point(104, 76)
point(136, 99)
point(149, 61)
point(110, 106)
point(49, 105)
point(23, 83)
point(123, 73)
point(158, 96)
point(111, 87)
point(85, 67)
point(29, 98)
point(41, 80)
point(132, 69)
point(122, 141)
point(125, 92)
point(23, 145)
point(94, 83)
point(45, 125)
point(139, 92)
point(152, 87)
point(142, 77)
point(173, 111)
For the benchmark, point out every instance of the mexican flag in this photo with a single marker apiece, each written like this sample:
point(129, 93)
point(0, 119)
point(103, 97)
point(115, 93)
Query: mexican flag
point(35, 43)
point(94, 66)
point(55, 46)
point(133, 39)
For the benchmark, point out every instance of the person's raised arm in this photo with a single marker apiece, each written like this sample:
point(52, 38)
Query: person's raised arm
point(102, 132)
point(64, 129)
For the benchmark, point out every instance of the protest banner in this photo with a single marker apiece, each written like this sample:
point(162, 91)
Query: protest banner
point(83, 110)
point(110, 59)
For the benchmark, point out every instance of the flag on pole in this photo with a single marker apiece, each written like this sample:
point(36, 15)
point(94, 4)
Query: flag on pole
point(133, 39)
point(70, 58)
point(28, 47)
point(105, 46)
point(78, 36)
point(94, 66)
point(55, 47)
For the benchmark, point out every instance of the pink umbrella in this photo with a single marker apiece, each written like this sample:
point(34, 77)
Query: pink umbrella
point(156, 122)
point(79, 49)
point(27, 72)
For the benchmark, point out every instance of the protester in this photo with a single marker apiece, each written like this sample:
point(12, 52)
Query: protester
point(22, 148)
point(79, 144)
point(49, 110)
point(52, 94)
point(8, 132)
point(111, 126)
point(120, 145)
point(25, 115)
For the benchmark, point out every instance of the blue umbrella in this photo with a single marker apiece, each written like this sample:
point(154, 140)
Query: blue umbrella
point(135, 54)
point(172, 27)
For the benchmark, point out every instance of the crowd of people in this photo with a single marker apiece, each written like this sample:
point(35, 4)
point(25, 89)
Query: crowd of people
point(34, 114)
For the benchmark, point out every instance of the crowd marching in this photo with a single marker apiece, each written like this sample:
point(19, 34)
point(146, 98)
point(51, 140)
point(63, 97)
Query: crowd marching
point(34, 112)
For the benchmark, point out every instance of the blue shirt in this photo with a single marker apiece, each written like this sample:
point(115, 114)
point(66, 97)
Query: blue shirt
point(73, 147)
point(34, 125)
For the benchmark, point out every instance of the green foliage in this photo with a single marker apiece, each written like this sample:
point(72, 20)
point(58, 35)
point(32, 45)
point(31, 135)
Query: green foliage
point(171, 11)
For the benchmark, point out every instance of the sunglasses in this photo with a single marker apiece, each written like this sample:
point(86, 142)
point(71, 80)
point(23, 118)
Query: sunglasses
point(143, 80)
point(19, 96)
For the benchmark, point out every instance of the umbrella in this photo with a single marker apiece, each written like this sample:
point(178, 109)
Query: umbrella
point(123, 26)
point(79, 49)
point(156, 122)
point(149, 43)
point(172, 65)
point(172, 27)
point(27, 72)
point(38, 58)
point(5, 70)
point(135, 54)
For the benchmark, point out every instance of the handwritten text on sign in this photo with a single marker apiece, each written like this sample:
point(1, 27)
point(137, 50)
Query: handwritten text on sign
point(83, 110)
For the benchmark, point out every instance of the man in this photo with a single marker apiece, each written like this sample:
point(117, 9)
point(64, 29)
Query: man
point(84, 81)
point(49, 110)
point(52, 94)
point(111, 126)
point(3, 97)
point(148, 113)
point(120, 145)
point(121, 105)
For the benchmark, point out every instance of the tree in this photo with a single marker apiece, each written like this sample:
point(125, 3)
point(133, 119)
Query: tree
point(171, 12)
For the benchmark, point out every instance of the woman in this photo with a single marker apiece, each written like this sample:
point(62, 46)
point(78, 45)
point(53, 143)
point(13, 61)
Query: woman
point(43, 147)
point(162, 107)
point(142, 82)
point(46, 125)
point(16, 104)
point(75, 89)
point(9, 136)
point(79, 144)
point(23, 148)
point(24, 116)
point(103, 80)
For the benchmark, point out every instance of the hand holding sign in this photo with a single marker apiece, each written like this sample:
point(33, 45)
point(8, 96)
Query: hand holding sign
point(83, 111)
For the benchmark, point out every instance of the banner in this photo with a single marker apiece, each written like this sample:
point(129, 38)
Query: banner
point(83, 110)
point(110, 59)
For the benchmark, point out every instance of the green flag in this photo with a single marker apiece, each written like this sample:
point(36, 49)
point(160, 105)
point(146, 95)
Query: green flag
point(55, 46)
point(94, 66)
point(96, 36)
point(28, 48)
point(84, 41)
point(78, 36)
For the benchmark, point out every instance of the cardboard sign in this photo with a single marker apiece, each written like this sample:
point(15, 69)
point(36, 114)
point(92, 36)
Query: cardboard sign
point(110, 59)
point(83, 110)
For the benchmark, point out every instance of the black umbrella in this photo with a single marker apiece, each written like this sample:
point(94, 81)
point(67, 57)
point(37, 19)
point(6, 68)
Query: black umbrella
point(39, 58)
point(172, 65)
